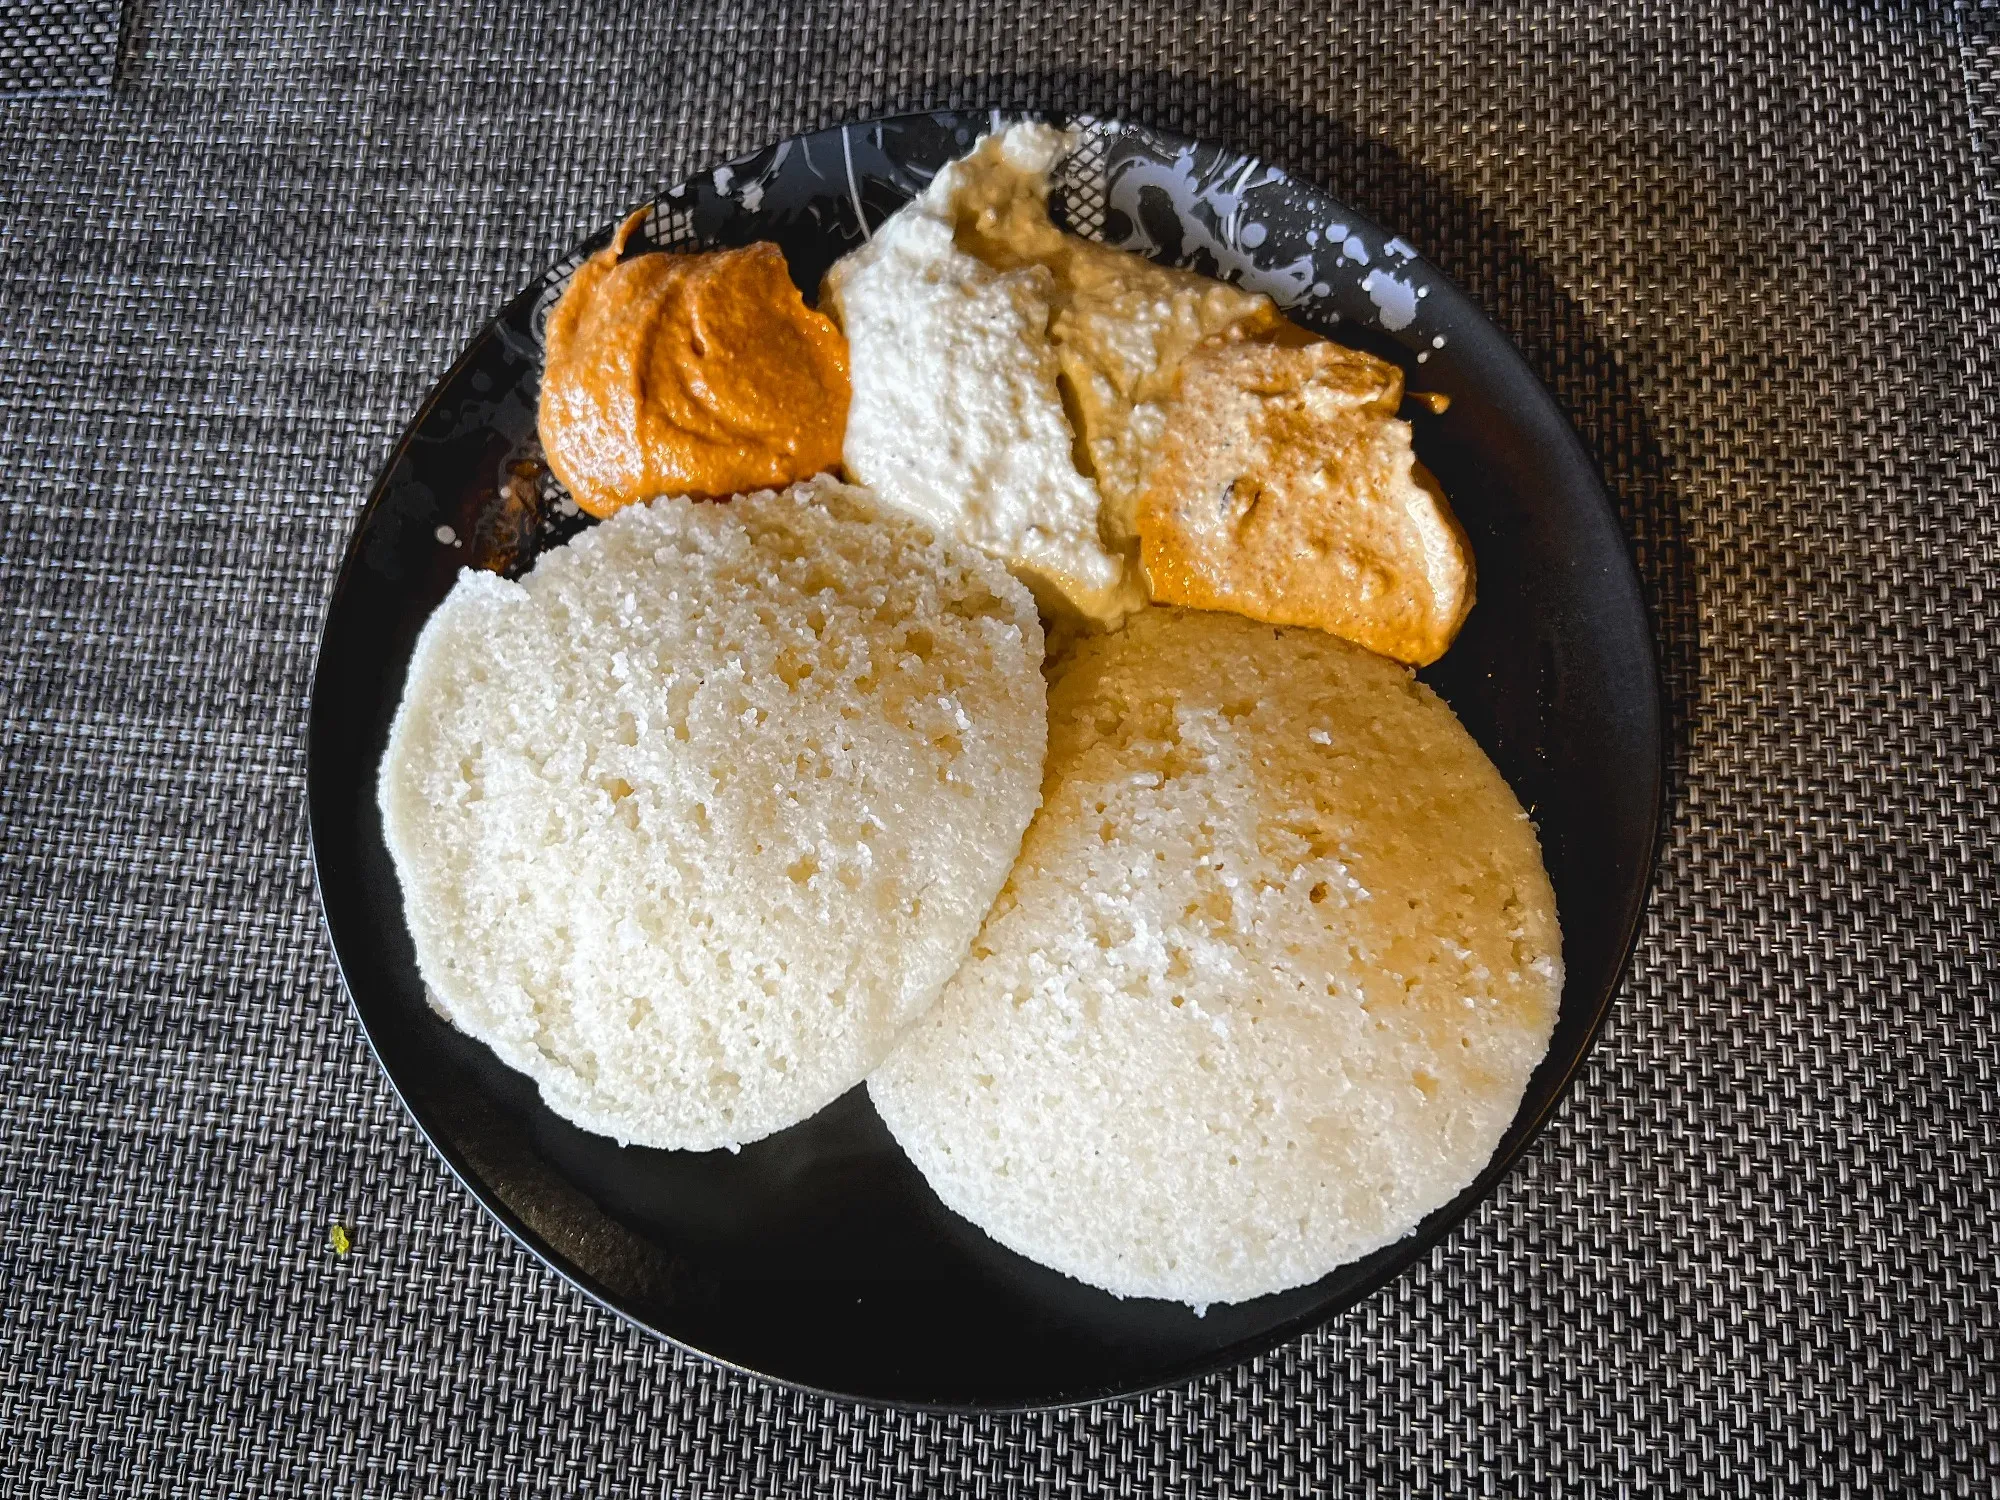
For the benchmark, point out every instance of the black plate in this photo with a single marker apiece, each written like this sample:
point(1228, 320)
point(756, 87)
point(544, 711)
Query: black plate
point(819, 1257)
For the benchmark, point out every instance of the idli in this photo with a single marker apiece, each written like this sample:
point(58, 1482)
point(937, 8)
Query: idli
point(1265, 986)
point(694, 819)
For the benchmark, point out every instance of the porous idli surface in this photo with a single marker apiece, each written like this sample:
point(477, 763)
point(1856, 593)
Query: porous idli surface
point(1265, 986)
point(694, 819)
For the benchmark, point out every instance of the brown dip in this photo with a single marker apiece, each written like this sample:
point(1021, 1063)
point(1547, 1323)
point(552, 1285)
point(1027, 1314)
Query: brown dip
point(1285, 489)
point(700, 375)
point(1256, 467)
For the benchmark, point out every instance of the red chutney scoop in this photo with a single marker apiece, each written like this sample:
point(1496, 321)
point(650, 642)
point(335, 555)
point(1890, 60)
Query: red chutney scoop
point(701, 375)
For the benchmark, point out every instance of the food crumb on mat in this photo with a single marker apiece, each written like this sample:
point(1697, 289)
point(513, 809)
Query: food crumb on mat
point(339, 1239)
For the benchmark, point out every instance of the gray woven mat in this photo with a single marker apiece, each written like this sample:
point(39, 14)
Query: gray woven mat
point(1750, 246)
point(57, 46)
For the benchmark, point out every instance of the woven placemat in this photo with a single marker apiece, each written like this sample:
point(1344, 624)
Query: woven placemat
point(57, 46)
point(1752, 249)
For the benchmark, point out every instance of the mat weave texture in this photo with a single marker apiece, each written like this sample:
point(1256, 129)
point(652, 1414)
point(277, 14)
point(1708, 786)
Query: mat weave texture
point(57, 46)
point(1751, 247)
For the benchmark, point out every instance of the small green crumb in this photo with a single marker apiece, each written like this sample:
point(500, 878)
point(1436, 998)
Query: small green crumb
point(337, 1237)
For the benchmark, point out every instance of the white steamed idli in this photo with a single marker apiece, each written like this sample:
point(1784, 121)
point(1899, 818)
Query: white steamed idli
point(694, 819)
point(1265, 986)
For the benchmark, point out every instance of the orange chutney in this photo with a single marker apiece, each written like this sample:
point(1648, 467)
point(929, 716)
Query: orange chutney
point(700, 375)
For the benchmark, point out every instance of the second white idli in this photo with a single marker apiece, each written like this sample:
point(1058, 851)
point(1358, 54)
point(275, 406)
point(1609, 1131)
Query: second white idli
point(1265, 986)
point(696, 817)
